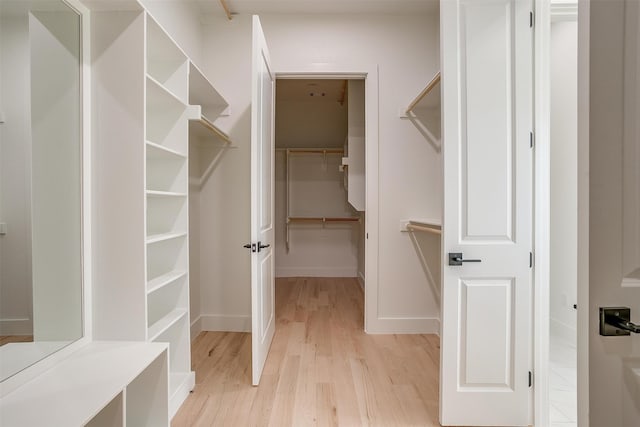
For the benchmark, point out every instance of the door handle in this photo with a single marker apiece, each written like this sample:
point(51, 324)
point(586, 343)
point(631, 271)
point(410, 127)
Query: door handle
point(616, 321)
point(251, 246)
point(261, 246)
point(455, 258)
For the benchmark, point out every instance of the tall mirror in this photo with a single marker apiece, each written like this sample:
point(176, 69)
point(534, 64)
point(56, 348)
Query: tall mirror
point(40, 181)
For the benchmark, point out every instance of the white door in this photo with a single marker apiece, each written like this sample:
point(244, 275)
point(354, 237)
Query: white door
point(614, 211)
point(262, 147)
point(487, 124)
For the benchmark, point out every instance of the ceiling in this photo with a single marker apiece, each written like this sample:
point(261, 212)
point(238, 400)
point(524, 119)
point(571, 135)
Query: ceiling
point(320, 6)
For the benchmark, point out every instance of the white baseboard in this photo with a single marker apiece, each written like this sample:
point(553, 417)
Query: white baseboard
point(225, 323)
point(404, 325)
point(563, 331)
point(361, 280)
point(316, 272)
point(196, 328)
point(16, 327)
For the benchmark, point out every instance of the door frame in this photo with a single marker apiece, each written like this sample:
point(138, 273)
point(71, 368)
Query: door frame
point(369, 73)
point(542, 196)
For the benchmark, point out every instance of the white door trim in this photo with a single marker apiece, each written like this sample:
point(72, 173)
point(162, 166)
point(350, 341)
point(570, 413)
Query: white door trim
point(583, 211)
point(369, 72)
point(542, 210)
point(542, 184)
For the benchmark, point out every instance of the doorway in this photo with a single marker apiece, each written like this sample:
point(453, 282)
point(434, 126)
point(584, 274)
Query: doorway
point(319, 179)
point(563, 283)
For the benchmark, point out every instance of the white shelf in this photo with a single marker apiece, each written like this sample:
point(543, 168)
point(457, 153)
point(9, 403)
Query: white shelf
point(160, 98)
point(154, 193)
point(159, 327)
point(180, 384)
point(162, 237)
point(203, 93)
point(74, 391)
point(164, 280)
point(160, 152)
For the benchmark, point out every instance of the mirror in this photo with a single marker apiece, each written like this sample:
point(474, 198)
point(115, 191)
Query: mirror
point(40, 181)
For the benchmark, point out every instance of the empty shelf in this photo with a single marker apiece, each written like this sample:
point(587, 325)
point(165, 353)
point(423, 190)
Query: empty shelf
point(154, 238)
point(165, 323)
point(160, 152)
point(164, 280)
point(154, 193)
point(203, 93)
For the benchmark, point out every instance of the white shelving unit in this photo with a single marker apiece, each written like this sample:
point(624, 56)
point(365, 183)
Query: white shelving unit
point(148, 95)
point(112, 384)
point(209, 105)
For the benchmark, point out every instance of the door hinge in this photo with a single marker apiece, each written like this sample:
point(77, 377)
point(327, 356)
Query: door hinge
point(367, 235)
point(531, 260)
point(531, 19)
point(532, 140)
point(530, 379)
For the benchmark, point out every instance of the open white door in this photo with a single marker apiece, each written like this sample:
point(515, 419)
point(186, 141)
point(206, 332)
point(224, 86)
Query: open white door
point(262, 146)
point(487, 78)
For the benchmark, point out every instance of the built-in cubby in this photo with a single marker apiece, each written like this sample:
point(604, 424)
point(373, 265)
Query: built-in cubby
point(111, 384)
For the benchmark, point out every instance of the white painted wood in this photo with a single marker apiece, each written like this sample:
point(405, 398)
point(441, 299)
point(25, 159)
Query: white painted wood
point(262, 202)
point(631, 149)
point(612, 86)
point(111, 415)
point(139, 66)
point(487, 66)
point(584, 311)
point(45, 400)
point(356, 176)
point(118, 114)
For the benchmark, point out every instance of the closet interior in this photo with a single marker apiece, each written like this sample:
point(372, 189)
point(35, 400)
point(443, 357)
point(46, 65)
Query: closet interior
point(320, 176)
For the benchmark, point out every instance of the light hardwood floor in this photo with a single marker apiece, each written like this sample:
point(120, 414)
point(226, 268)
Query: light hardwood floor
point(322, 369)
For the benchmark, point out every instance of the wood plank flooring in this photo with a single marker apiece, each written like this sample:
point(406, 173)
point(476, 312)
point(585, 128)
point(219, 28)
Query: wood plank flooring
point(322, 369)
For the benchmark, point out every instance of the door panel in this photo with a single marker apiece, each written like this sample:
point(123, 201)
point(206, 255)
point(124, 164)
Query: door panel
point(487, 120)
point(486, 328)
point(262, 230)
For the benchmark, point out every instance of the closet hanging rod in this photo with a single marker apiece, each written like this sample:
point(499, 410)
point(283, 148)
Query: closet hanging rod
point(414, 227)
point(322, 219)
point(434, 81)
point(213, 128)
point(313, 150)
point(224, 5)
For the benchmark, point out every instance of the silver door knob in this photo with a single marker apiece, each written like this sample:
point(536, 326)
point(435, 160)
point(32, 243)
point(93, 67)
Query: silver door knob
point(616, 321)
point(455, 258)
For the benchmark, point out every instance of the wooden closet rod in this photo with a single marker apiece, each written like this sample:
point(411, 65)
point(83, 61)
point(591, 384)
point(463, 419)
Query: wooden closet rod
point(224, 5)
point(322, 219)
point(434, 81)
point(413, 227)
point(213, 128)
point(313, 150)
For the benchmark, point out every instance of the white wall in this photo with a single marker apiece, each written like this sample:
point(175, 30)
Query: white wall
point(406, 51)
point(181, 19)
point(564, 184)
point(15, 177)
point(316, 189)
